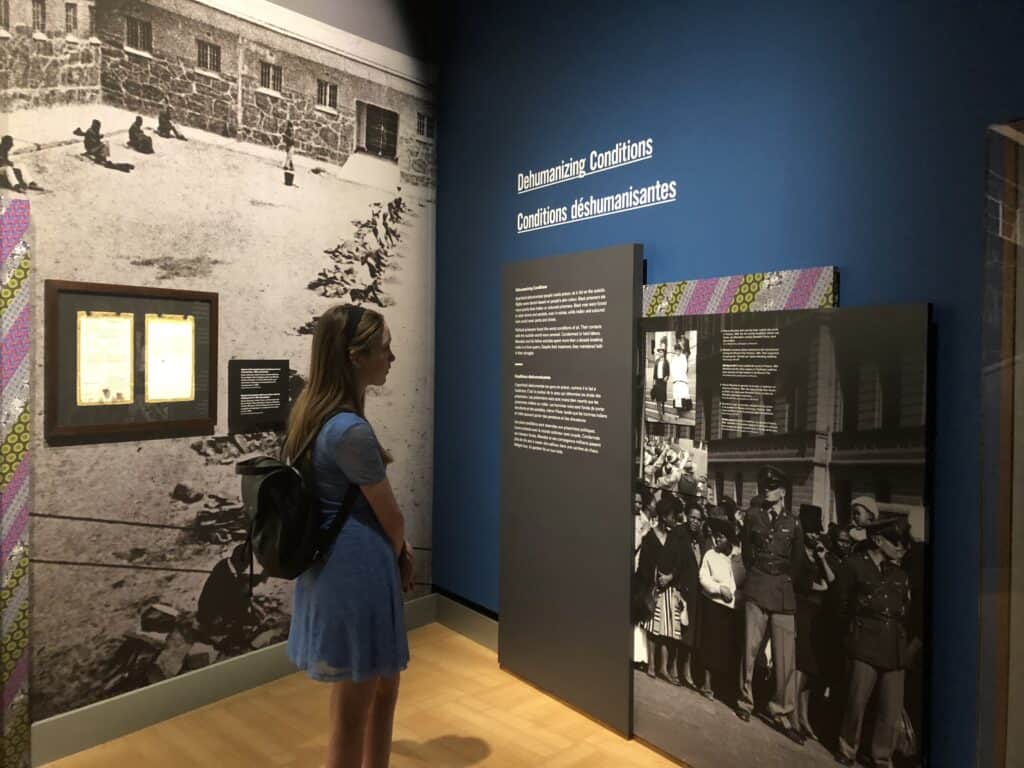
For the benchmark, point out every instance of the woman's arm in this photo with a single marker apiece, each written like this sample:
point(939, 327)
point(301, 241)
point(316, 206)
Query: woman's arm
point(708, 582)
point(830, 575)
point(385, 507)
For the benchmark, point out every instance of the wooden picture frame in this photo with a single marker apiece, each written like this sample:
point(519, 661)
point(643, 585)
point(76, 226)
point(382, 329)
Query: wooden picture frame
point(94, 394)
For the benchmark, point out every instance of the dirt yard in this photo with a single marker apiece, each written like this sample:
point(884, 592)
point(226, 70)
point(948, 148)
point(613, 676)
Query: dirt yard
point(214, 215)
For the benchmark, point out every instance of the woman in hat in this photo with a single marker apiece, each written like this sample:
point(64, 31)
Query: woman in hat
point(348, 626)
point(662, 370)
point(816, 642)
point(719, 630)
point(679, 367)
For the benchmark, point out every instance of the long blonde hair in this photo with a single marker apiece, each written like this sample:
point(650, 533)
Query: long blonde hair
point(331, 386)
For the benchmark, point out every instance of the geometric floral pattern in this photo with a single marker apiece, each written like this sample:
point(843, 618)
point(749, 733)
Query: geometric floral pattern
point(815, 288)
point(15, 437)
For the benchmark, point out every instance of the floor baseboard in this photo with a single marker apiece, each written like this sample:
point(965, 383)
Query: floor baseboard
point(81, 729)
point(464, 620)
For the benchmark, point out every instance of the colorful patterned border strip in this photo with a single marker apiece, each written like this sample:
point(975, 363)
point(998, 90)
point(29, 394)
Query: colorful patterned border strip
point(15, 499)
point(814, 288)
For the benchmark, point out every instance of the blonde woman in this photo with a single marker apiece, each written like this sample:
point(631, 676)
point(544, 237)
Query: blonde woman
point(347, 616)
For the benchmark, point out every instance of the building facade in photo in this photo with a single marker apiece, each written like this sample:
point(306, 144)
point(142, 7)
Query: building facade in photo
point(49, 54)
point(850, 419)
point(221, 67)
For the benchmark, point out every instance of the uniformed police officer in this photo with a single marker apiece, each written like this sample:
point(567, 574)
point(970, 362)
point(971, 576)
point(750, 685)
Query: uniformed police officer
point(773, 550)
point(873, 594)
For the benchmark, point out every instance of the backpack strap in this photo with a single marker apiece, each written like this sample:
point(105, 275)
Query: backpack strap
point(327, 537)
point(311, 438)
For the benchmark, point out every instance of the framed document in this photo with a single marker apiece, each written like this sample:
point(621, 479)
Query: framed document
point(170, 358)
point(128, 362)
point(104, 367)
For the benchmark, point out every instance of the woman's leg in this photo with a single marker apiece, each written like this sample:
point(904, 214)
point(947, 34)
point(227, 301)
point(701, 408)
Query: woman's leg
point(803, 704)
point(377, 752)
point(706, 688)
point(652, 654)
point(662, 667)
point(350, 712)
point(675, 651)
point(685, 675)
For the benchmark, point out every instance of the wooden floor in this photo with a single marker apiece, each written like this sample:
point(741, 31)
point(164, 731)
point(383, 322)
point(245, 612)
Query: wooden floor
point(456, 708)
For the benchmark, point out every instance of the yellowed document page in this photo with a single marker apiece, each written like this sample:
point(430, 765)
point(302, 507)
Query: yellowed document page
point(105, 363)
point(170, 358)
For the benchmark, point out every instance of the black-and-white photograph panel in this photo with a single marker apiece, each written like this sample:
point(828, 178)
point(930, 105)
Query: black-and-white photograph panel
point(670, 504)
point(239, 148)
point(671, 377)
point(778, 611)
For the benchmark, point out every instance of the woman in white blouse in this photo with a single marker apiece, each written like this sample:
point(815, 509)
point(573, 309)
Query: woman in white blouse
point(679, 367)
point(718, 637)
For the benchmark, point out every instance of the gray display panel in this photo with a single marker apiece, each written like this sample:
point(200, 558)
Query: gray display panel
point(568, 414)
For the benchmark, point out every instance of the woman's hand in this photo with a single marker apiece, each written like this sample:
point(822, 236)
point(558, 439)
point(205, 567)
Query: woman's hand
point(406, 567)
point(726, 594)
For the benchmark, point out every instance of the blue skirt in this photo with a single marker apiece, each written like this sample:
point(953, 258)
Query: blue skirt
point(348, 618)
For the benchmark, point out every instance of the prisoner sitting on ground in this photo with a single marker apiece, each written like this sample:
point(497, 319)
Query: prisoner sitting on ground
point(225, 604)
point(10, 175)
point(95, 147)
point(165, 126)
point(137, 138)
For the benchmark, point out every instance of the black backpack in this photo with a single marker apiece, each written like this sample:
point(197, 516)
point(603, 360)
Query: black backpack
point(284, 514)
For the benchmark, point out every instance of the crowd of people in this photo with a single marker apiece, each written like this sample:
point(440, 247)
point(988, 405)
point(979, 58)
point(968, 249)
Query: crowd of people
point(811, 628)
point(667, 464)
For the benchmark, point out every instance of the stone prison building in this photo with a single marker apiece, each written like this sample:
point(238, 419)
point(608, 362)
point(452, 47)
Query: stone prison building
point(221, 68)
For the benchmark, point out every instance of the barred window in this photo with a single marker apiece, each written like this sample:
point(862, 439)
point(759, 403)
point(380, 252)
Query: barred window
point(5, 14)
point(426, 125)
point(38, 15)
point(71, 18)
point(209, 56)
point(379, 129)
point(270, 76)
point(139, 35)
point(326, 94)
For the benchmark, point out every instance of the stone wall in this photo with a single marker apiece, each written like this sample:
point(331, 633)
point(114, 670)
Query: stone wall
point(142, 84)
point(47, 73)
point(318, 134)
point(323, 133)
point(417, 160)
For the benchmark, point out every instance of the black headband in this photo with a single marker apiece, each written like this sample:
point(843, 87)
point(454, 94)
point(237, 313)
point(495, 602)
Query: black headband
point(354, 315)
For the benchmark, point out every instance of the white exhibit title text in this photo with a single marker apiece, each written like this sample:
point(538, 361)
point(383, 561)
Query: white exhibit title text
point(590, 207)
point(596, 161)
point(585, 207)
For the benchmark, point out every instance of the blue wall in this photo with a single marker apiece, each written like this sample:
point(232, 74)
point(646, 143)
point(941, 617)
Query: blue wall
point(801, 134)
